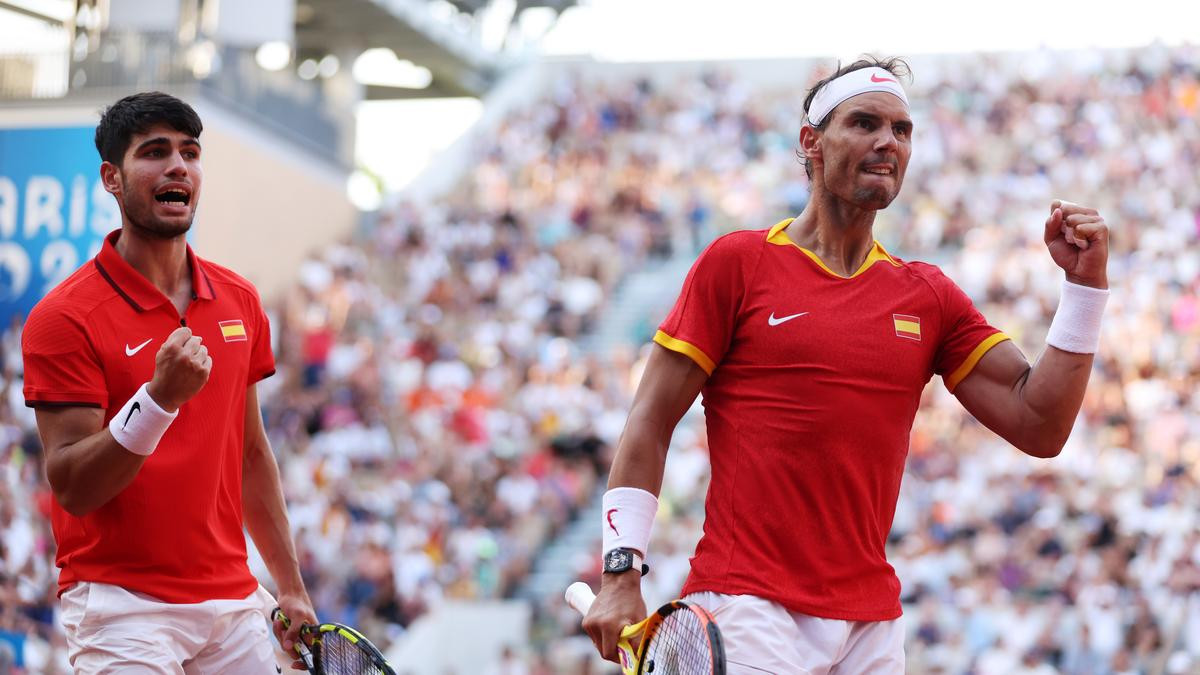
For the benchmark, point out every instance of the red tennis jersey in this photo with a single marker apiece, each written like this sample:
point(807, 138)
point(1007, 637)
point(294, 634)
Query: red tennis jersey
point(175, 532)
point(814, 383)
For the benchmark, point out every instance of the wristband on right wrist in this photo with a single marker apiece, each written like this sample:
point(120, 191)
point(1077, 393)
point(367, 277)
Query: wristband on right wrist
point(140, 424)
point(1076, 324)
point(628, 516)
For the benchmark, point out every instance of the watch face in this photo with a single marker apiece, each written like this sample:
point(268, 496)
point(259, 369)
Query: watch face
point(618, 560)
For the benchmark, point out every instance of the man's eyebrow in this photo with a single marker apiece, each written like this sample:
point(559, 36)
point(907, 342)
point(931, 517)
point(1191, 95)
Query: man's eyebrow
point(872, 117)
point(158, 140)
point(161, 140)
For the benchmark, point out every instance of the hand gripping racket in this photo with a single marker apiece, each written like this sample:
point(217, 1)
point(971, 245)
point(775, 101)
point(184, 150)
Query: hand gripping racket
point(677, 639)
point(337, 650)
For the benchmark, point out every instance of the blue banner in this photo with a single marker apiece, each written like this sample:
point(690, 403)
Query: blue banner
point(54, 211)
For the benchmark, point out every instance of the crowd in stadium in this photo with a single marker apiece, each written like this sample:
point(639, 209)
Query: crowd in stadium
point(437, 422)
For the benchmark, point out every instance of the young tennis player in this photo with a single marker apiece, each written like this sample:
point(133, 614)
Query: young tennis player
point(142, 367)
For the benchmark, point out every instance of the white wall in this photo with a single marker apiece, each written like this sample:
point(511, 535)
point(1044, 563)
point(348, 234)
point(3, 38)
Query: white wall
point(461, 638)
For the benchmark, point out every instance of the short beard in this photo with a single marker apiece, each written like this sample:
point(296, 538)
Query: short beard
point(876, 199)
point(145, 224)
point(159, 230)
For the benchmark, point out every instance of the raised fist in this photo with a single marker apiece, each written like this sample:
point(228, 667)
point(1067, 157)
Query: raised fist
point(181, 368)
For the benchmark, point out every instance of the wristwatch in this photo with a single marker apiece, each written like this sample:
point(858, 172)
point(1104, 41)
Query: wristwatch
point(622, 560)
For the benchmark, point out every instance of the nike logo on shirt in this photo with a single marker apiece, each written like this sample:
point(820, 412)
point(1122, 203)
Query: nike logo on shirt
point(131, 352)
point(772, 321)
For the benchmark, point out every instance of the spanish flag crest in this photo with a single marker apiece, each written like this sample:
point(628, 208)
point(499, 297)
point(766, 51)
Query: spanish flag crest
point(907, 326)
point(233, 330)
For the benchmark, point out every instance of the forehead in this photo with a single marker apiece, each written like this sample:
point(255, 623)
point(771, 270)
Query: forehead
point(877, 103)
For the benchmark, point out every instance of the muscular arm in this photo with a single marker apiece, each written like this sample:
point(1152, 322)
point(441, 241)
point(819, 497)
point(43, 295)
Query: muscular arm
point(668, 388)
point(265, 516)
point(1034, 408)
point(85, 465)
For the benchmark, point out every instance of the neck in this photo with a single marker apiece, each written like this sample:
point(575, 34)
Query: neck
point(838, 232)
point(162, 261)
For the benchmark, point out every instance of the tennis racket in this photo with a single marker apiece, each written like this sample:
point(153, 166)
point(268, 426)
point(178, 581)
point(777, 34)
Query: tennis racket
point(678, 639)
point(337, 650)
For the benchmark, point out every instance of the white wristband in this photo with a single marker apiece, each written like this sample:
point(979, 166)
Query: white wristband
point(628, 516)
point(141, 423)
point(1076, 325)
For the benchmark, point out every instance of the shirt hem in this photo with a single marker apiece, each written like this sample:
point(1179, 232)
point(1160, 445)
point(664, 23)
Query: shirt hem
point(821, 611)
point(231, 591)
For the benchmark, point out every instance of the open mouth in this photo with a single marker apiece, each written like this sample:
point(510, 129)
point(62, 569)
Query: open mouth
point(880, 170)
point(173, 197)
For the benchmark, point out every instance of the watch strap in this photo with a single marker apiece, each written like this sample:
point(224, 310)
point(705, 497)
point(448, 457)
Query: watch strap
point(637, 564)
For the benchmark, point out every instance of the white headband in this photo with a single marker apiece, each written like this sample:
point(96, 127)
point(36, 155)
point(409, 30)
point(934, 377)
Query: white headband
point(853, 83)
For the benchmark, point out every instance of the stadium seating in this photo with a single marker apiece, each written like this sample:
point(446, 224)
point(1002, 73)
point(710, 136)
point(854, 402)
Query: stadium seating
point(437, 422)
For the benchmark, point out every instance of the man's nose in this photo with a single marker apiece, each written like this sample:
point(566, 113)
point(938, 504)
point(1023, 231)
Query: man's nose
point(886, 140)
point(176, 166)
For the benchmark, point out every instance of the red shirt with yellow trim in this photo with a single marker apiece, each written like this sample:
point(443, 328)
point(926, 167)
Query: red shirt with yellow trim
point(814, 383)
point(175, 532)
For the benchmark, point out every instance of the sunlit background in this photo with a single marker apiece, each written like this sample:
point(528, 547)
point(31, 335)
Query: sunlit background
point(467, 217)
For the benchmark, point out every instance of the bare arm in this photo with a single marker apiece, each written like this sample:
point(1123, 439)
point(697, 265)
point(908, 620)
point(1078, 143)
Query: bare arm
point(265, 516)
point(668, 388)
point(85, 465)
point(1035, 408)
point(669, 385)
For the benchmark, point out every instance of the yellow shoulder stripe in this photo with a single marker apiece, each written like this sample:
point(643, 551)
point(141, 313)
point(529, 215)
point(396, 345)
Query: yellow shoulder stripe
point(687, 349)
point(973, 358)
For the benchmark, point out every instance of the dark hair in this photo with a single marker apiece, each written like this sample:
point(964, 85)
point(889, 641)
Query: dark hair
point(137, 113)
point(894, 65)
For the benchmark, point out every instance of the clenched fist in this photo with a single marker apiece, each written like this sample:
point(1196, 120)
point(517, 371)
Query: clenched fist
point(1077, 237)
point(181, 368)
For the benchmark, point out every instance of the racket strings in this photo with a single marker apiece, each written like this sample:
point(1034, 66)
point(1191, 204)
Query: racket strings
point(341, 656)
point(680, 646)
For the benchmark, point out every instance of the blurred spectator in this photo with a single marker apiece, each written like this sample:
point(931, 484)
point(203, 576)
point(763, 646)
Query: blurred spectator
point(437, 423)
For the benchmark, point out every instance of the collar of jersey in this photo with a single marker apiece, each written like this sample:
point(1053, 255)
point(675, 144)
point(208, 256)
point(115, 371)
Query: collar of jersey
point(778, 236)
point(137, 289)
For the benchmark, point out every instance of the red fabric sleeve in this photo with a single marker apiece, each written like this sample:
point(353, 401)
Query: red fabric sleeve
point(262, 360)
point(61, 365)
point(701, 323)
point(966, 336)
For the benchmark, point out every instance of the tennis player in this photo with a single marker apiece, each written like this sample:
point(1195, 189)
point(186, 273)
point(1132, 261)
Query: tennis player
point(811, 345)
point(142, 367)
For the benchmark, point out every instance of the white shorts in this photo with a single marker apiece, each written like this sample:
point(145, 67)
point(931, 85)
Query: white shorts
point(761, 636)
point(112, 630)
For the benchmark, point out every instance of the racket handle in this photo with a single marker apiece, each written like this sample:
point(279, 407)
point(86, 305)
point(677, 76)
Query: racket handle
point(301, 649)
point(579, 597)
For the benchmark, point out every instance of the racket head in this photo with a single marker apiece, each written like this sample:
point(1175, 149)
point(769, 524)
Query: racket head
point(681, 638)
point(338, 649)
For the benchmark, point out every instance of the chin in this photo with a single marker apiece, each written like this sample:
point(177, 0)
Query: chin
point(873, 198)
point(161, 230)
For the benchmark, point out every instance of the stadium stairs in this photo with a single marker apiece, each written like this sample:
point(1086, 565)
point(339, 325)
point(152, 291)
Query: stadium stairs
point(641, 302)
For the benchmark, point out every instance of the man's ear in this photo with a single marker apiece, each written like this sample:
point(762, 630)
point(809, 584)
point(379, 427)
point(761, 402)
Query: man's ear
point(110, 175)
point(810, 143)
